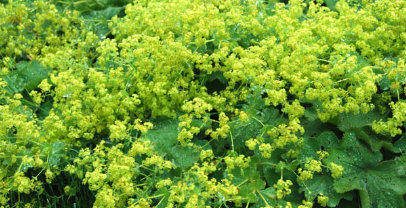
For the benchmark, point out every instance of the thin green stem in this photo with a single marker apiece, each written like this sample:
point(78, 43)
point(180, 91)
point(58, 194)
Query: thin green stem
point(263, 198)
point(263, 125)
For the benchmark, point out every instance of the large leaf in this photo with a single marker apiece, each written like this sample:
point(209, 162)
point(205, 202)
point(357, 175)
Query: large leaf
point(57, 153)
point(325, 141)
point(348, 121)
point(25, 166)
point(255, 101)
point(312, 125)
point(268, 198)
point(184, 157)
point(94, 5)
point(260, 119)
point(44, 110)
point(165, 140)
point(323, 184)
point(249, 182)
point(258, 123)
point(286, 170)
point(97, 20)
point(27, 77)
point(331, 4)
point(375, 141)
point(380, 183)
point(214, 82)
point(164, 135)
point(361, 125)
point(400, 145)
point(104, 14)
point(165, 195)
point(242, 131)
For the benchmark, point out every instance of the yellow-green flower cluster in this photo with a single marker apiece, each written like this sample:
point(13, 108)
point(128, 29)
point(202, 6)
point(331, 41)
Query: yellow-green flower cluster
point(392, 125)
point(336, 170)
point(282, 188)
point(242, 80)
point(311, 167)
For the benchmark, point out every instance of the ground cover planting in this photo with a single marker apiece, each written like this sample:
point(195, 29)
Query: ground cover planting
point(203, 103)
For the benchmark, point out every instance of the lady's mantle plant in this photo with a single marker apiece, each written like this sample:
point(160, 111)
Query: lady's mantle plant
point(203, 103)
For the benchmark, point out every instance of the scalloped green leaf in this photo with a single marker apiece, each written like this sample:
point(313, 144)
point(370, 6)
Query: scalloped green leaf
point(268, 198)
point(325, 141)
point(249, 182)
point(273, 173)
point(331, 4)
point(400, 145)
point(242, 131)
point(164, 137)
point(349, 121)
point(361, 125)
point(375, 141)
point(26, 166)
point(323, 184)
point(260, 119)
point(184, 157)
point(97, 20)
point(27, 77)
point(380, 183)
point(164, 192)
point(58, 151)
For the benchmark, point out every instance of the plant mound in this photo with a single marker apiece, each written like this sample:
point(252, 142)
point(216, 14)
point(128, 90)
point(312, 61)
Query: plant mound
point(203, 103)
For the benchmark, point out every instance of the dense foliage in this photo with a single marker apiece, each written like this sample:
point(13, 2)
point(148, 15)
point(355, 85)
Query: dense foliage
point(203, 103)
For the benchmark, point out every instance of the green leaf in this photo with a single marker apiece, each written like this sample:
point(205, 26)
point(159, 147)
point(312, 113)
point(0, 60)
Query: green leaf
point(104, 14)
point(311, 123)
point(28, 153)
point(84, 6)
point(325, 141)
point(97, 20)
point(241, 131)
point(271, 117)
point(381, 184)
point(269, 195)
point(214, 82)
point(331, 4)
point(311, 114)
point(260, 120)
point(164, 199)
point(44, 110)
point(15, 84)
point(349, 121)
point(255, 101)
point(323, 184)
point(27, 76)
point(273, 173)
point(184, 157)
point(315, 128)
point(57, 153)
point(385, 83)
point(400, 145)
point(348, 204)
point(249, 182)
point(164, 135)
point(361, 125)
point(235, 33)
point(375, 141)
